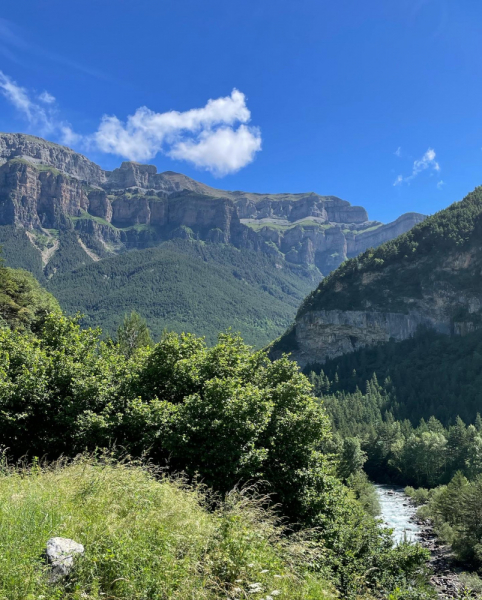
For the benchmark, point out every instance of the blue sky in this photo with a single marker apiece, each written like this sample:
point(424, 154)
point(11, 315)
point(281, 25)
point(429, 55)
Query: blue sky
point(378, 102)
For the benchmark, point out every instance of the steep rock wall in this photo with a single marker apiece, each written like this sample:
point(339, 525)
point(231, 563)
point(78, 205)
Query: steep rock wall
point(326, 334)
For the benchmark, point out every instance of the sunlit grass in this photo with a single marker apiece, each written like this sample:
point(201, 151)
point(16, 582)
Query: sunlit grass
point(145, 537)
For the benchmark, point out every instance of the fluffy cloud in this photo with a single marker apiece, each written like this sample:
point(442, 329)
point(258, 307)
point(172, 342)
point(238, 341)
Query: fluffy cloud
point(422, 164)
point(222, 151)
point(214, 137)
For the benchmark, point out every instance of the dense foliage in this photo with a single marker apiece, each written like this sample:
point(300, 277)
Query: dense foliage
point(456, 511)
point(428, 375)
point(18, 252)
point(133, 334)
point(224, 414)
point(23, 302)
point(187, 286)
point(425, 454)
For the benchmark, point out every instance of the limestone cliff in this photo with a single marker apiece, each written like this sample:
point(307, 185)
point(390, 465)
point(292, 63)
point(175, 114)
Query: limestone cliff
point(46, 189)
point(427, 277)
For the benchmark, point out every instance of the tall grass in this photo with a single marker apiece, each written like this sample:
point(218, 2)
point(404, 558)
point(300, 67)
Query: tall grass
point(146, 537)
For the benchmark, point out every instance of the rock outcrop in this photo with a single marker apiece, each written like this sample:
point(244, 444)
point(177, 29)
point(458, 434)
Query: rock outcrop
point(321, 335)
point(44, 187)
point(41, 152)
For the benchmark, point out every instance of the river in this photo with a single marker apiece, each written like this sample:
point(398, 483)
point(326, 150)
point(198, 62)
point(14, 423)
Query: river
point(398, 513)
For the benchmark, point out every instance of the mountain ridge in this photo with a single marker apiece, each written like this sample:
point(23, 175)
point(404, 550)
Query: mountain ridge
point(72, 223)
point(427, 277)
point(44, 186)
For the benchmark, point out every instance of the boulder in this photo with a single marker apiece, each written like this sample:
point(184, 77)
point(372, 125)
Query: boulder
point(60, 554)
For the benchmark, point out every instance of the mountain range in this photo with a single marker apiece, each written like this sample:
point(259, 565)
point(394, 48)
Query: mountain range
point(75, 225)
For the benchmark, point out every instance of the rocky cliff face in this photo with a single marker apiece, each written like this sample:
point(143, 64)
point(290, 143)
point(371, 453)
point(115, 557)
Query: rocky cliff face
point(44, 187)
point(35, 198)
point(321, 335)
point(376, 236)
point(39, 151)
point(428, 277)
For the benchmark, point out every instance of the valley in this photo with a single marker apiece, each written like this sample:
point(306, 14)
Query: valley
point(240, 300)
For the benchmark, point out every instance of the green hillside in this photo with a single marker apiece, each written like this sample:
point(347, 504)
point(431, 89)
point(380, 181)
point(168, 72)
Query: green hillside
point(18, 252)
point(24, 303)
point(396, 272)
point(188, 286)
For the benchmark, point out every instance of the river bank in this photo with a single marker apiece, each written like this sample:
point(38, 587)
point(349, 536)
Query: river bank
point(445, 578)
point(400, 514)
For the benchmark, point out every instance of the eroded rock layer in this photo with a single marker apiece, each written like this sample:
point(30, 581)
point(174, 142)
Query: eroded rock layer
point(46, 188)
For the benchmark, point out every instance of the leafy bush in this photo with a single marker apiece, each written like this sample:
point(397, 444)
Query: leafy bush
point(472, 582)
point(456, 510)
point(24, 304)
point(365, 493)
point(225, 415)
point(419, 496)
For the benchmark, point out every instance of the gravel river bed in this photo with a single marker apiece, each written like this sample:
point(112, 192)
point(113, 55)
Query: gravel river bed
point(399, 513)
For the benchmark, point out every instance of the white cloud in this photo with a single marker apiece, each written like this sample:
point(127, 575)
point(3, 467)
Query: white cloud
point(222, 151)
point(46, 97)
point(68, 137)
point(422, 164)
point(398, 152)
point(214, 137)
point(440, 184)
point(43, 119)
point(18, 96)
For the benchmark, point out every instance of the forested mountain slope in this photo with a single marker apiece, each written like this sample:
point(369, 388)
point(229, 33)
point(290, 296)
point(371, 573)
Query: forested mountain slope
point(23, 302)
point(430, 276)
point(189, 286)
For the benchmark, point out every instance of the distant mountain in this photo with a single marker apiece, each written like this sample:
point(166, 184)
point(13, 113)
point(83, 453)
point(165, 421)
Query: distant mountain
point(429, 277)
point(60, 212)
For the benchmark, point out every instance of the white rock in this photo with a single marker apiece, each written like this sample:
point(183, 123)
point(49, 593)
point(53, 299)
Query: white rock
point(60, 556)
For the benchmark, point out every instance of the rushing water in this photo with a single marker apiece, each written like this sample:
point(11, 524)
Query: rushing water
point(397, 513)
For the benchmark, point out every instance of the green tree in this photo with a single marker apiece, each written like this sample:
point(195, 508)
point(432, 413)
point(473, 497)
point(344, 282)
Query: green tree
point(24, 303)
point(133, 333)
point(352, 458)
